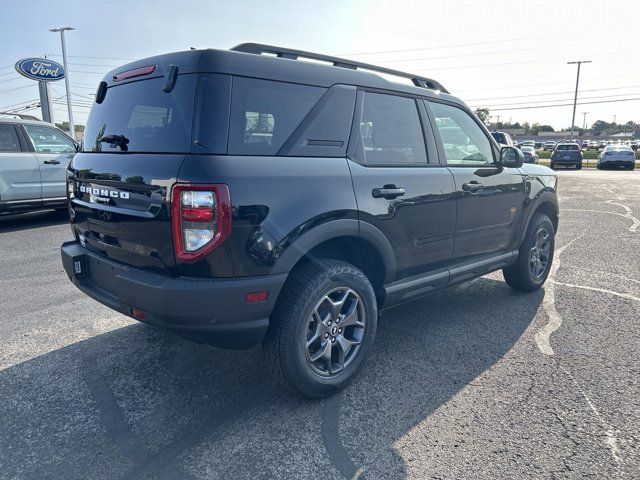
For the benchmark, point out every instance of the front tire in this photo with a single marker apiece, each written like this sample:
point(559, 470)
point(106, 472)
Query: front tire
point(535, 256)
point(322, 327)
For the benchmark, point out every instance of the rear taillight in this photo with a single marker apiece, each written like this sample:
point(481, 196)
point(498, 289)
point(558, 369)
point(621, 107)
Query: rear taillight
point(200, 220)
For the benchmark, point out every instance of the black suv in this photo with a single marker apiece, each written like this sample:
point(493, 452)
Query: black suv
point(567, 154)
point(248, 196)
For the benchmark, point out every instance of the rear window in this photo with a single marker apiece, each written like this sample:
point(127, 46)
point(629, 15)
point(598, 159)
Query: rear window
point(265, 113)
point(568, 147)
point(149, 118)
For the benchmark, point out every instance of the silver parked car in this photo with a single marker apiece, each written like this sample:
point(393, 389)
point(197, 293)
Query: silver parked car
point(617, 155)
point(34, 157)
point(530, 155)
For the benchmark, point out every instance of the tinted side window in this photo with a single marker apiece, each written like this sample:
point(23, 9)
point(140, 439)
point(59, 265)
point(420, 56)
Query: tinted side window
point(390, 131)
point(265, 113)
point(464, 142)
point(8, 138)
point(48, 140)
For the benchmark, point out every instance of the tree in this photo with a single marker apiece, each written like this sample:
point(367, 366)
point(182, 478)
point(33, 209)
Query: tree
point(537, 128)
point(65, 126)
point(483, 114)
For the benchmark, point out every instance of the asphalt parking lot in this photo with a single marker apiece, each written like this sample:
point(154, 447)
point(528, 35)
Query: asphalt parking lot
point(473, 382)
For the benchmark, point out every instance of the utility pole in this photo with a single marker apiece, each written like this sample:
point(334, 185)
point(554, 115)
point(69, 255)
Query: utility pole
point(72, 127)
point(614, 119)
point(575, 98)
point(584, 120)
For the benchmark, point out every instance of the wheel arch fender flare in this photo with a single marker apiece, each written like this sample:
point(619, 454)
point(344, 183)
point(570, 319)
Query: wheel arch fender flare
point(545, 197)
point(333, 229)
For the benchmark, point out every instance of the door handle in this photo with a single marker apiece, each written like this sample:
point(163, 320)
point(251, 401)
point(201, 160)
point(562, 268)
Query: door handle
point(51, 162)
point(388, 191)
point(472, 186)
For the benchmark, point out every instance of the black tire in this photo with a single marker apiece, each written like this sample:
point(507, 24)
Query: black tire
point(579, 166)
point(308, 288)
point(552, 166)
point(519, 275)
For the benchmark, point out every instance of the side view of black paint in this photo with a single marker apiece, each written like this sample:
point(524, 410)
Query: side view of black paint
point(249, 197)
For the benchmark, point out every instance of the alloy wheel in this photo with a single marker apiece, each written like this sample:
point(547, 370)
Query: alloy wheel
point(540, 252)
point(335, 331)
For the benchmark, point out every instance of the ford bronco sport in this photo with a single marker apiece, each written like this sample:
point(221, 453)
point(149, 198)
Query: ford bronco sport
point(250, 197)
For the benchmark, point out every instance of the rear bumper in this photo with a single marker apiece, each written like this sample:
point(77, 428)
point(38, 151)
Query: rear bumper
point(212, 311)
point(617, 162)
point(566, 161)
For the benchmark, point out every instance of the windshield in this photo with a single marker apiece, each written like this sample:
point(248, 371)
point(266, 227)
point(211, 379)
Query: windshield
point(527, 149)
point(141, 117)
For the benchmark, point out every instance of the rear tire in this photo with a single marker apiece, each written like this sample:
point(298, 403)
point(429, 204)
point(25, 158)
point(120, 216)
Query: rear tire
point(579, 166)
point(535, 256)
point(309, 351)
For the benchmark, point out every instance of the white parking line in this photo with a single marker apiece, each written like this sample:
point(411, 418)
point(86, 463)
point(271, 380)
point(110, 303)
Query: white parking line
point(549, 305)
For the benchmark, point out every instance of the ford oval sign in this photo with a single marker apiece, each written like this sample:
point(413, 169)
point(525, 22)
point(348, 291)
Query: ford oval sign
point(41, 69)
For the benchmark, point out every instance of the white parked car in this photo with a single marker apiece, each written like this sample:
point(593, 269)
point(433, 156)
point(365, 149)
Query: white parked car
point(617, 156)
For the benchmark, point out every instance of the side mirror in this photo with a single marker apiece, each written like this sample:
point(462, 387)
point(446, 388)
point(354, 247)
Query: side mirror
point(511, 157)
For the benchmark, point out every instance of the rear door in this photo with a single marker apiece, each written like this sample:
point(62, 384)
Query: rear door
point(19, 172)
point(400, 187)
point(489, 197)
point(54, 150)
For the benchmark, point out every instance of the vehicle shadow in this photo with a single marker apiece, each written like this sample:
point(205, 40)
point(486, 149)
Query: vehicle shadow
point(24, 221)
point(140, 403)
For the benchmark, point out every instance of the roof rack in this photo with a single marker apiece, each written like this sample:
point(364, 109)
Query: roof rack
point(22, 116)
point(258, 49)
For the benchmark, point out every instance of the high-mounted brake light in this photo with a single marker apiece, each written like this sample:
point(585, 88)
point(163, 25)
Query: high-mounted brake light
point(136, 72)
point(200, 219)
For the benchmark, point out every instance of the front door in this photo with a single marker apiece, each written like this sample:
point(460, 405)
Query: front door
point(490, 198)
point(54, 150)
point(400, 187)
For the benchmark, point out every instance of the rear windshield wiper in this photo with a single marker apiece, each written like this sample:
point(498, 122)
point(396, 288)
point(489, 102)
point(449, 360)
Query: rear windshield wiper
point(117, 140)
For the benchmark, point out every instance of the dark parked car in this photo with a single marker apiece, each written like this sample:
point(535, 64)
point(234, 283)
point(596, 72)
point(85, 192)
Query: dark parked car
point(567, 155)
point(240, 199)
point(503, 138)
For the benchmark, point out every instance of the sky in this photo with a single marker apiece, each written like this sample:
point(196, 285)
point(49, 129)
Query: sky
point(508, 56)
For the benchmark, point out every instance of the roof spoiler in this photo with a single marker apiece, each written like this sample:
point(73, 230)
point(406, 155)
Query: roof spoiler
point(259, 49)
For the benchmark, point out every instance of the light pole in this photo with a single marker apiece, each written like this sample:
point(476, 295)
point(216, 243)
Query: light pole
point(72, 127)
point(584, 120)
point(575, 98)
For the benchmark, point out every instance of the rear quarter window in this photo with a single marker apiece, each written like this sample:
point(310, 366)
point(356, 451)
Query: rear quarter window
point(265, 113)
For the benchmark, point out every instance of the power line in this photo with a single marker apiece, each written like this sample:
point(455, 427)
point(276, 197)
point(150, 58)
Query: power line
point(568, 104)
point(496, 52)
point(95, 58)
point(16, 88)
point(445, 46)
point(561, 99)
point(550, 93)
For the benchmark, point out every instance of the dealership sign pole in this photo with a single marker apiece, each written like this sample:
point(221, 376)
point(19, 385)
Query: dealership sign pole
point(43, 71)
point(72, 131)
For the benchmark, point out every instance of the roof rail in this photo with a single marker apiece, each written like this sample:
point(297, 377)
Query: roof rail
point(22, 116)
point(258, 49)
